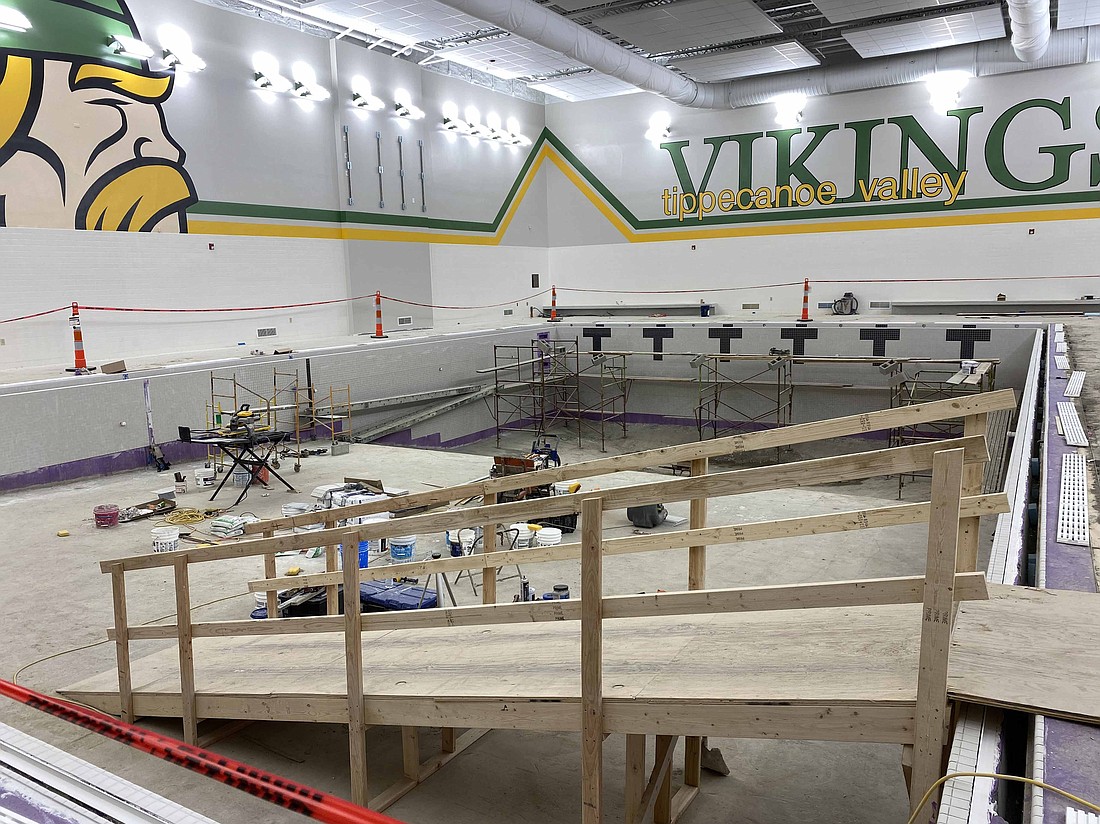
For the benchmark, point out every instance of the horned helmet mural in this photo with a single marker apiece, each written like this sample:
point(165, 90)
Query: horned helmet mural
point(83, 138)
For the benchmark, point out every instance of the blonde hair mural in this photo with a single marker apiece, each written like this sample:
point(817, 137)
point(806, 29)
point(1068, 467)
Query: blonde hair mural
point(83, 138)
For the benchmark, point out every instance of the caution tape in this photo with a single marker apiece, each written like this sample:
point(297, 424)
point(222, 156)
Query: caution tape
point(37, 314)
point(275, 789)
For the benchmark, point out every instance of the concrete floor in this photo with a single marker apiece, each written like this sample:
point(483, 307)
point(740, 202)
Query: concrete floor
point(53, 598)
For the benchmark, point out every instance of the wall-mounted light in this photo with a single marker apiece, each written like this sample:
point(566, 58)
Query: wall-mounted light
point(178, 52)
point(361, 95)
point(788, 109)
point(13, 20)
point(403, 106)
point(128, 46)
point(267, 76)
point(944, 88)
point(659, 125)
point(305, 82)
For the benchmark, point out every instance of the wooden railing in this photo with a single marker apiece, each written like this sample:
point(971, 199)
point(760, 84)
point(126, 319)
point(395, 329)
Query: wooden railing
point(966, 452)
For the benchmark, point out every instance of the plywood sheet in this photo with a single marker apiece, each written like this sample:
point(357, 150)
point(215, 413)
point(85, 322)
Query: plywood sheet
point(1028, 649)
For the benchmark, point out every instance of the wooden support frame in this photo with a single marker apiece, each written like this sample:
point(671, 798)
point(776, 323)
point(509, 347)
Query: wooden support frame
point(937, 617)
point(332, 593)
point(597, 719)
point(489, 544)
point(592, 661)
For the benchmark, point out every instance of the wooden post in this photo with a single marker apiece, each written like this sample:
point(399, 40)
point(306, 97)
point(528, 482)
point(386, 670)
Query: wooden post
point(353, 648)
point(697, 579)
point(270, 572)
point(332, 593)
point(935, 642)
point(635, 777)
point(591, 660)
point(662, 806)
point(122, 643)
point(447, 739)
point(973, 476)
point(187, 652)
point(489, 544)
point(410, 752)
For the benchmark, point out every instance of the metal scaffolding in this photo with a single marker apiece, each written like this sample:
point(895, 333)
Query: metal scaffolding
point(721, 395)
point(542, 385)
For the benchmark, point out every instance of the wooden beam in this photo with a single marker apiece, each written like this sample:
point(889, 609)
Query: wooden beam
point(410, 752)
point(270, 571)
point(186, 653)
point(122, 643)
point(592, 661)
point(681, 800)
point(332, 591)
point(353, 649)
point(969, 586)
point(714, 448)
point(447, 739)
point(635, 781)
point(697, 579)
point(973, 476)
point(662, 772)
point(488, 545)
point(943, 542)
point(824, 470)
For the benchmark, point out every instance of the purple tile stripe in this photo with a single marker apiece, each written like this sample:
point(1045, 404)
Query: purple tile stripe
point(1072, 750)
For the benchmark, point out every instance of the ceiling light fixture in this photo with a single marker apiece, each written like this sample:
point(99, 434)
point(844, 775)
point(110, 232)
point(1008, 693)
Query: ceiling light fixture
point(13, 20)
point(945, 87)
point(128, 46)
point(788, 109)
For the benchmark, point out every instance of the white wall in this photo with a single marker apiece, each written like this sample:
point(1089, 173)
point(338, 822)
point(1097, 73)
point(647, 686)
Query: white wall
point(46, 268)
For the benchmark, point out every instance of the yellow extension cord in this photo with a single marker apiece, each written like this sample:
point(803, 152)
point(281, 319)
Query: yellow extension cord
point(1034, 782)
point(184, 516)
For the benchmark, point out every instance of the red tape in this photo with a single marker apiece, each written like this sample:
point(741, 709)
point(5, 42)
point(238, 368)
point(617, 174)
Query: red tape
point(275, 789)
point(36, 314)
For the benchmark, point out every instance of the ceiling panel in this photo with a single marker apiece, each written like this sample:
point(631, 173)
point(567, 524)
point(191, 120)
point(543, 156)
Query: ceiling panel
point(574, 5)
point(845, 11)
point(745, 62)
point(585, 87)
point(510, 57)
point(403, 21)
point(933, 33)
point(689, 23)
point(1073, 14)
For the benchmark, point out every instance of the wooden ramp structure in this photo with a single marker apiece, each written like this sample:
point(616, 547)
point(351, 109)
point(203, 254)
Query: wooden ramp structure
point(860, 660)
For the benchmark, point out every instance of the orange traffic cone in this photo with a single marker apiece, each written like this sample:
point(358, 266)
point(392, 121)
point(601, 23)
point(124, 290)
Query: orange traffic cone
point(80, 363)
point(806, 302)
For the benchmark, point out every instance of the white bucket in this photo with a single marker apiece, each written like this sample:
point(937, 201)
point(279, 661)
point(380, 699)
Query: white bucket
point(204, 477)
point(548, 536)
point(524, 539)
point(241, 477)
point(563, 487)
point(166, 538)
point(181, 486)
point(402, 548)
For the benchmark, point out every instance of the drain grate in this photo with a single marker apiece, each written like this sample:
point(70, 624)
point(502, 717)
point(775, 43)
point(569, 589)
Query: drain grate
point(1072, 430)
point(1073, 503)
point(1075, 816)
point(1076, 382)
point(1061, 361)
point(1060, 347)
point(1059, 336)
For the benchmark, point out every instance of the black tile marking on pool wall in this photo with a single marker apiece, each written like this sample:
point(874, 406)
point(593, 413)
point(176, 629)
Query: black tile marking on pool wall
point(658, 334)
point(725, 334)
point(879, 336)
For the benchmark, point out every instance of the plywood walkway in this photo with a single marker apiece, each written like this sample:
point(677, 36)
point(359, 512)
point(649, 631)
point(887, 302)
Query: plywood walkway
point(850, 673)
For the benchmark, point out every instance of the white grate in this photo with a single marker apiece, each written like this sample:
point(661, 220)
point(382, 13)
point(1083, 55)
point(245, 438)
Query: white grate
point(930, 33)
point(1072, 430)
point(1059, 336)
point(1061, 361)
point(1076, 382)
point(1060, 348)
point(1058, 327)
point(1075, 816)
point(1073, 502)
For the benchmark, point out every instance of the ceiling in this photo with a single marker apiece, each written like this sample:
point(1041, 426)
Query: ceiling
point(705, 40)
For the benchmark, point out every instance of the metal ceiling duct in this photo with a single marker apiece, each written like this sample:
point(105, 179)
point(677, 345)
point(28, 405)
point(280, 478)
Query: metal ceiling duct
point(1030, 39)
point(1030, 28)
